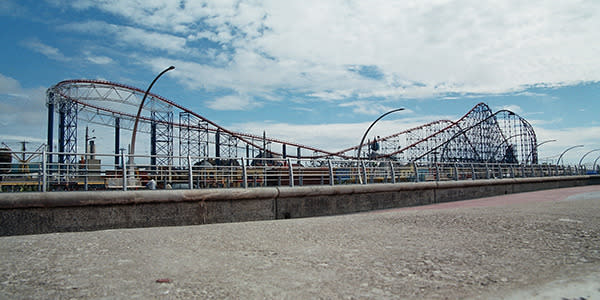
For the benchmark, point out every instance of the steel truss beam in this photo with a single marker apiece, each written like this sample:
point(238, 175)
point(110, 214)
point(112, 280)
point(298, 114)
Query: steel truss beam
point(479, 136)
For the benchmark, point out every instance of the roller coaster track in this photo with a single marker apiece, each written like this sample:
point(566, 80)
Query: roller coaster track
point(478, 136)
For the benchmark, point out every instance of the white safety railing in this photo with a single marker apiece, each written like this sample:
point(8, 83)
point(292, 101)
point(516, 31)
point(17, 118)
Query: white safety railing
point(54, 171)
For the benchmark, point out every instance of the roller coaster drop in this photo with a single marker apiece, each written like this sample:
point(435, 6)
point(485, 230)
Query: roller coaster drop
point(480, 136)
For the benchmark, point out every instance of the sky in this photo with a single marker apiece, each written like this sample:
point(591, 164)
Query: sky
point(316, 72)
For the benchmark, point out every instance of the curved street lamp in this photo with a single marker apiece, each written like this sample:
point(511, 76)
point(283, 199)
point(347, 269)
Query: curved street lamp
point(366, 132)
point(139, 112)
point(536, 146)
point(561, 155)
point(581, 160)
point(365, 135)
point(595, 161)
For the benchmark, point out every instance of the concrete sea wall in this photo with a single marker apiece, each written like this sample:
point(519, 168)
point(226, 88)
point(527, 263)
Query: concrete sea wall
point(36, 213)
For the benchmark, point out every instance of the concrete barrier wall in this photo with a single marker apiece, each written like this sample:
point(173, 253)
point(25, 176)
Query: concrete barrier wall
point(35, 213)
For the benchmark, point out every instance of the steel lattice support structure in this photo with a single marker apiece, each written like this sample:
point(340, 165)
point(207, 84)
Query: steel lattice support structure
point(230, 143)
point(67, 135)
point(102, 102)
point(161, 142)
point(480, 136)
point(193, 136)
point(485, 137)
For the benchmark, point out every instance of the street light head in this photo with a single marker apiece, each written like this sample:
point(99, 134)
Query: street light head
point(365, 135)
point(137, 118)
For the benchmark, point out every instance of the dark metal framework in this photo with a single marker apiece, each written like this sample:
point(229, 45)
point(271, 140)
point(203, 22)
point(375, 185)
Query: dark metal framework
point(161, 133)
point(480, 136)
point(193, 137)
point(67, 124)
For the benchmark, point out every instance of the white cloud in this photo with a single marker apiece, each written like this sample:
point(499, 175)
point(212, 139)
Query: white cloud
point(20, 111)
point(566, 138)
point(97, 59)
point(49, 51)
point(233, 102)
point(367, 107)
point(9, 85)
point(419, 49)
point(132, 36)
point(512, 107)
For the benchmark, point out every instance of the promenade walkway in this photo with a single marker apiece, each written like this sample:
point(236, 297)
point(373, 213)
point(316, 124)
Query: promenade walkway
point(543, 245)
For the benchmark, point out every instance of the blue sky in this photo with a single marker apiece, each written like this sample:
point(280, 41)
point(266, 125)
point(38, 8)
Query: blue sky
point(315, 72)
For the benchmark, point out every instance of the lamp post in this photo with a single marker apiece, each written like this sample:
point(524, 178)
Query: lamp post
point(365, 135)
point(88, 138)
point(139, 112)
point(366, 132)
point(561, 155)
point(536, 146)
point(595, 161)
point(581, 160)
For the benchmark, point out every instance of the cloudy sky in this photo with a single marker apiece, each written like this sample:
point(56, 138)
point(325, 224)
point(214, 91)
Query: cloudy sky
point(315, 72)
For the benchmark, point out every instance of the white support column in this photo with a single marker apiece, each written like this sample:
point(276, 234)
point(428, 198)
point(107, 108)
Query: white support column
point(291, 172)
point(393, 172)
point(331, 178)
point(244, 174)
point(190, 173)
point(44, 170)
point(124, 171)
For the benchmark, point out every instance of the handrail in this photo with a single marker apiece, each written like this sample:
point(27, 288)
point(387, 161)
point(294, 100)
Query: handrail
point(102, 173)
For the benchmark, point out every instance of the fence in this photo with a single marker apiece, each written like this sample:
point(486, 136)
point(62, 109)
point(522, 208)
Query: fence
point(125, 172)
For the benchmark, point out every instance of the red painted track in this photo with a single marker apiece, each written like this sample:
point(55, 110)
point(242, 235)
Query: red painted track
point(460, 140)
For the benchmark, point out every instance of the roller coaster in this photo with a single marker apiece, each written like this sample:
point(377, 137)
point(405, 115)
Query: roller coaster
point(190, 151)
point(480, 136)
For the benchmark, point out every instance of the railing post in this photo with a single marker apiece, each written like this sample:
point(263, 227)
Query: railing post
point(244, 174)
point(360, 178)
point(512, 171)
point(473, 174)
point(291, 172)
point(44, 170)
point(523, 171)
point(393, 172)
point(416, 171)
point(487, 171)
point(85, 178)
point(542, 172)
point(437, 172)
point(455, 172)
point(331, 178)
point(190, 173)
point(364, 170)
point(124, 170)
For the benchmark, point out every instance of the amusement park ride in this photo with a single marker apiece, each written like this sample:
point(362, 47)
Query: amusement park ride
point(181, 140)
point(480, 136)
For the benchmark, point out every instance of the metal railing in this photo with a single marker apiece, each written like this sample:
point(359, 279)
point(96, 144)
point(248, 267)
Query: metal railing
point(52, 171)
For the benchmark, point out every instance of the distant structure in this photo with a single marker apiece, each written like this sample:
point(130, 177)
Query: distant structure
point(175, 132)
point(480, 136)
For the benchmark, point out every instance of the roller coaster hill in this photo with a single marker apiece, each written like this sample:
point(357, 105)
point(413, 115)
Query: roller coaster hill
point(188, 150)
